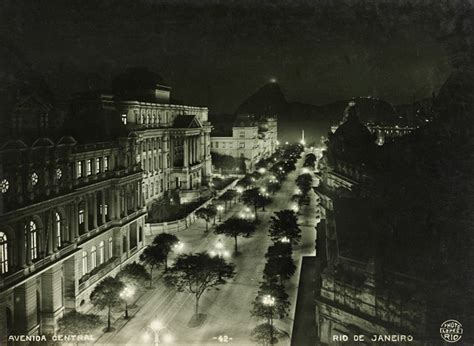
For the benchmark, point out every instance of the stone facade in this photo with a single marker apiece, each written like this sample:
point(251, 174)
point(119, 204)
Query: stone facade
point(251, 139)
point(70, 215)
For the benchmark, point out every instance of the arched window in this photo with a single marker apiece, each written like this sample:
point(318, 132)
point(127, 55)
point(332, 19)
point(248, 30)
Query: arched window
point(101, 253)
point(3, 253)
point(111, 247)
point(57, 221)
point(84, 263)
point(93, 258)
point(33, 240)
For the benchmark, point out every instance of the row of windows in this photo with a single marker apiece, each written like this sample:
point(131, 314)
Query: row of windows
point(101, 165)
point(31, 236)
point(153, 189)
point(226, 145)
point(97, 257)
point(33, 178)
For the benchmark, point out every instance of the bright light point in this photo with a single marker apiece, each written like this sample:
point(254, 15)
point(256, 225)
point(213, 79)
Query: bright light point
point(262, 170)
point(212, 253)
point(240, 189)
point(242, 215)
point(286, 143)
point(297, 191)
point(268, 300)
point(156, 325)
point(273, 80)
point(219, 245)
point(178, 246)
point(263, 190)
point(220, 208)
point(167, 338)
point(278, 142)
point(247, 210)
point(226, 253)
point(285, 240)
point(295, 208)
point(146, 337)
point(305, 170)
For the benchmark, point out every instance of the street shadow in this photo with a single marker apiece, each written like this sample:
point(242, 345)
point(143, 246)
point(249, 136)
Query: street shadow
point(197, 320)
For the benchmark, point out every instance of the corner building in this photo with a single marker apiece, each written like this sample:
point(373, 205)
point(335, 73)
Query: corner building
point(70, 215)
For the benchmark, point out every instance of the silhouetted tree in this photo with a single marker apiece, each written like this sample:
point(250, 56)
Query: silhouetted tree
point(198, 273)
point(234, 228)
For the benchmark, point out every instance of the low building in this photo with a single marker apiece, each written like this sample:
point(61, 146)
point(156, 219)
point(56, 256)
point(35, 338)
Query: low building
point(251, 139)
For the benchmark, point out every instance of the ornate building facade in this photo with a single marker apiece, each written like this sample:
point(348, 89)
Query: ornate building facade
point(173, 140)
point(251, 140)
point(70, 214)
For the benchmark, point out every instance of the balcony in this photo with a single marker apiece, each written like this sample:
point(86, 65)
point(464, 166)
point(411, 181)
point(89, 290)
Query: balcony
point(97, 273)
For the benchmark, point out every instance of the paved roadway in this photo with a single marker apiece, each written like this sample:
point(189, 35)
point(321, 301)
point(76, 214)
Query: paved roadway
point(227, 309)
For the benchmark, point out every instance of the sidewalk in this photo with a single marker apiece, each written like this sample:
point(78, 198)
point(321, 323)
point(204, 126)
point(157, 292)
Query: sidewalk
point(304, 327)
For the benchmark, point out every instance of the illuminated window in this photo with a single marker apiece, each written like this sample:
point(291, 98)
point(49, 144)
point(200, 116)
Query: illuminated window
point(79, 169)
point(124, 119)
point(111, 247)
point(97, 165)
point(57, 218)
point(84, 262)
point(33, 240)
point(93, 258)
point(81, 216)
point(103, 209)
point(59, 174)
point(3, 253)
point(106, 163)
point(101, 253)
point(89, 167)
point(34, 178)
point(4, 186)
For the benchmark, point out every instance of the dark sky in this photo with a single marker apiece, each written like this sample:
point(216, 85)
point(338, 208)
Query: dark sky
point(216, 55)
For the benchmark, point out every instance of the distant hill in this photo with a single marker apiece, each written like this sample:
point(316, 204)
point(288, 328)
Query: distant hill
point(316, 120)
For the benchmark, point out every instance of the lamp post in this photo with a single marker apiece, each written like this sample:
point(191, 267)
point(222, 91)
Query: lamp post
point(156, 327)
point(269, 301)
point(220, 208)
point(126, 295)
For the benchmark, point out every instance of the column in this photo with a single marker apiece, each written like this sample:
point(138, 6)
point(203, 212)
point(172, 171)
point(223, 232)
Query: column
point(76, 219)
point(24, 318)
point(103, 202)
point(22, 256)
point(94, 211)
point(28, 245)
point(86, 214)
point(185, 152)
point(51, 298)
point(51, 231)
point(70, 220)
point(194, 149)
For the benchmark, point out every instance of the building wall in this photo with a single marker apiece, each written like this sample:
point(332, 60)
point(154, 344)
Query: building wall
point(62, 199)
point(171, 157)
point(252, 143)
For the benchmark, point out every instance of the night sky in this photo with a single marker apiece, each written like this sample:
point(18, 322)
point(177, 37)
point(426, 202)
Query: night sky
point(217, 55)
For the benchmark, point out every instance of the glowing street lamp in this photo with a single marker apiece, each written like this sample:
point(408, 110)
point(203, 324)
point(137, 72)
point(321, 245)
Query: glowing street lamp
point(126, 295)
point(156, 327)
point(269, 301)
point(178, 246)
point(297, 191)
point(295, 208)
point(285, 240)
point(262, 170)
point(220, 209)
point(239, 189)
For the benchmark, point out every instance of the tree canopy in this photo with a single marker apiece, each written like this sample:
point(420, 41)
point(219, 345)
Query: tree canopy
point(77, 323)
point(106, 295)
point(198, 273)
point(285, 224)
point(207, 214)
point(153, 256)
point(165, 242)
point(235, 227)
point(133, 274)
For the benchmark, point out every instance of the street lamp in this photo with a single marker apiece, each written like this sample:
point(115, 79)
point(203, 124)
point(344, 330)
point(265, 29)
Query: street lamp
point(285, 240)
point(262, 170)
point(269, 301)
point(178, 246)
point(295, 208)
point(220, 209)
point(156, 327)
point(127, 294)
